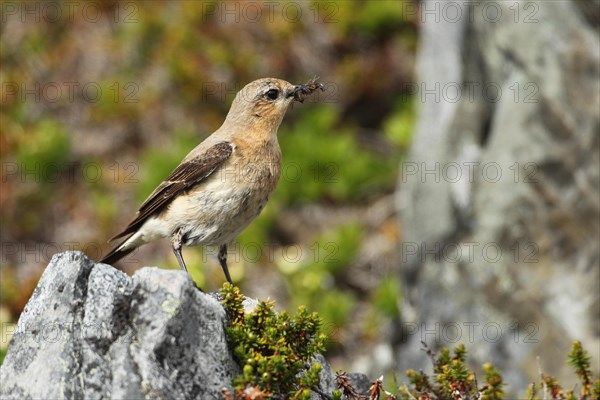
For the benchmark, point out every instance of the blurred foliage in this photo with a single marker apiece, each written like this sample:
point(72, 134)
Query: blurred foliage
point(312, 281)
point(386, 297)
point(325, 162)
point(398, 127)
point(45, 143)
point(142, 85)
point(368, 18)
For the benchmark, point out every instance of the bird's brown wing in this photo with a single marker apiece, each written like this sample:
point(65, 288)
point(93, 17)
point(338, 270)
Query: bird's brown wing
point(186, 175)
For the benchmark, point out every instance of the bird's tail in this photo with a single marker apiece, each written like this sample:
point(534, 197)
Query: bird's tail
point(116, 254)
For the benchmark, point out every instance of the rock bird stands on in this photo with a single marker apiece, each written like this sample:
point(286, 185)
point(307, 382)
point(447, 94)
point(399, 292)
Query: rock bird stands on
point(222, 184)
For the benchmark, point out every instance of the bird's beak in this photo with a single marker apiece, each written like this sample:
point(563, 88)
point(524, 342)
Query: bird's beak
point(300, 92)
point(297, 91)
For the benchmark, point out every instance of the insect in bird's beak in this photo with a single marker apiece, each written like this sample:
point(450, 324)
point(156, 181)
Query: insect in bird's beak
point(300, 92)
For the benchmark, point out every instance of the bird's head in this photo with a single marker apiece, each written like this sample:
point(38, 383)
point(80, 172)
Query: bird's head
point(263, 102)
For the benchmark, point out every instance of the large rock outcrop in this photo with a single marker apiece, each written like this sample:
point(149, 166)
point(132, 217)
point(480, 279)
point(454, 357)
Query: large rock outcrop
point(90, 331)
point(499, 200)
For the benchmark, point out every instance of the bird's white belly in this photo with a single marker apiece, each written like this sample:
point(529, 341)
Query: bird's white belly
point(214, 214)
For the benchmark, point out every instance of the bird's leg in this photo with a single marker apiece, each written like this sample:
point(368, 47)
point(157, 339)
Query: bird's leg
point(176, 242)
point(223, 261)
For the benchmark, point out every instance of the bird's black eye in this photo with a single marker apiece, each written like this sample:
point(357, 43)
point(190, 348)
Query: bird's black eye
point(273, 94)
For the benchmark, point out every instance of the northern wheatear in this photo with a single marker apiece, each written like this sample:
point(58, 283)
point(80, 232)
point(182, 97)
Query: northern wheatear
point(223, 183)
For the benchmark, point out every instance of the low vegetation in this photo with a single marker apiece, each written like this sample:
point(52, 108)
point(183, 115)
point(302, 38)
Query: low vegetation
point(277, 354)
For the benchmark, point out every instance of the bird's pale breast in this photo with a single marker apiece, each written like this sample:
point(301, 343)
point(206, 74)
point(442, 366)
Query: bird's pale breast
point(217, 210)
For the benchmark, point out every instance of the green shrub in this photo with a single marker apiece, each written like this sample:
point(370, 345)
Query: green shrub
point(274, 350)
point(452, 379)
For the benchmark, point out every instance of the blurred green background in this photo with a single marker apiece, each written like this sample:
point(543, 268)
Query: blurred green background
point(101, 100)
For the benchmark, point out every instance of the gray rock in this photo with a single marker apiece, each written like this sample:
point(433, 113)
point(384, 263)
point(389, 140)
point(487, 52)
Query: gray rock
point(361, 383)
point(90, 331)
point(501, 220)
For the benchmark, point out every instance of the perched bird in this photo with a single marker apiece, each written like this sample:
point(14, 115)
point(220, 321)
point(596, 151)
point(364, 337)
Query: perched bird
point(223, 183)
